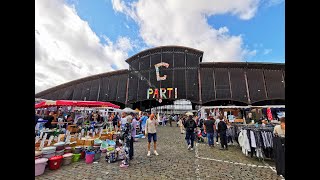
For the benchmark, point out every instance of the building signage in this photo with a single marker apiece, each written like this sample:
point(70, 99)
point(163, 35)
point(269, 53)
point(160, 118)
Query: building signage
point(156, 66)
point(162, 93)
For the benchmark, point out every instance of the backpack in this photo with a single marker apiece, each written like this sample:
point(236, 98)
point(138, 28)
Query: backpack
point(190, 125)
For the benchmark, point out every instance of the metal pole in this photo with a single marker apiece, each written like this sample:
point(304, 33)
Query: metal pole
point(247, 86)
point(98, 91)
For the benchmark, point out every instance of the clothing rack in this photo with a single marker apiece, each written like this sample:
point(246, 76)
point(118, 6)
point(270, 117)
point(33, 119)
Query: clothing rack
point(256, 140)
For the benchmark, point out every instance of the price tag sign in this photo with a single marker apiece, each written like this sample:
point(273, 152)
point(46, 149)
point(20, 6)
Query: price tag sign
point(50, 140)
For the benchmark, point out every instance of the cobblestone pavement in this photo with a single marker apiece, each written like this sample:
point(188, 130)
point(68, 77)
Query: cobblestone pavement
point(174, 162)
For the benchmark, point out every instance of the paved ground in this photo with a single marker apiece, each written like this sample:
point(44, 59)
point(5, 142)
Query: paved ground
point(174, 162)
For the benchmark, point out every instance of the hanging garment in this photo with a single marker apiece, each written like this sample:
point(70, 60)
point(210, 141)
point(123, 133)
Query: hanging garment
point(253, 139)
point(279, 155)
point(269, 114)
point(263, 140)
point(270, 136)
point(246, 143)
point(241, 139)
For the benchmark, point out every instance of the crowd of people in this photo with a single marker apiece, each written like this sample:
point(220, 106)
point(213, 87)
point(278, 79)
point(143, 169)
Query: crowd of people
point(146, 124)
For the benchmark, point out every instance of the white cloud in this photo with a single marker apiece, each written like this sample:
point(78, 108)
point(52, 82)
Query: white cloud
point(270, 3)
point(267, 51)
point(67, 49)
point(184, 22)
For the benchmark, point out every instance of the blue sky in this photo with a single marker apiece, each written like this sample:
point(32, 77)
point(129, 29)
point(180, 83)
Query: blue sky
point(79, 38)
point(265, 32)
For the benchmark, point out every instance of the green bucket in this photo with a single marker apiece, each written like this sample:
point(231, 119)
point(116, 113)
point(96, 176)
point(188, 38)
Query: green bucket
point(75, 157)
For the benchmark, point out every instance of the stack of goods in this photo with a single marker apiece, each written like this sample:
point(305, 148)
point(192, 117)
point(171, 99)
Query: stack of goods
point(67, 159)
point(40, 165)
point(38, 154)
point(68, 150)
point(59, 148)
point(97, 144)
point(76, 157)
point(104, 146)
point(77, 149)
point(55, 162)
point(48, 152)
point(111, 154)
point(97, 154)
point(89, 156)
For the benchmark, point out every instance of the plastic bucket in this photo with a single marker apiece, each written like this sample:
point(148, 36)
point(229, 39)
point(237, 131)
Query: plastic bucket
point(60, 153)
point(40, 165)
point(67, 159)
point(76, 157)
point(97, 155)
point(83, 155)
point(77, 151)
point(89, 157)
point(103, 150)
point(95, 148)
point(67, 150)
point(55, 162)
point(48, 156)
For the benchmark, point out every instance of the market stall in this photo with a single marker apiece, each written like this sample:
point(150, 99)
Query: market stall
point(231, 113)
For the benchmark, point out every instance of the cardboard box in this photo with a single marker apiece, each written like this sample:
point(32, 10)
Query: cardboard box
point(72, 128)
point(73, 139)
point(80, 142)
point(89, 142)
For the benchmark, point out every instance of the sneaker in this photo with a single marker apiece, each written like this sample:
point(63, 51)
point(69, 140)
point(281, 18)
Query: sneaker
point(148, 153)
point(124, 165)
point(156, 153)
point(189, 147)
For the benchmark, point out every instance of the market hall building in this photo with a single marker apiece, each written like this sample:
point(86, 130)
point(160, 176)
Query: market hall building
point(161, 75)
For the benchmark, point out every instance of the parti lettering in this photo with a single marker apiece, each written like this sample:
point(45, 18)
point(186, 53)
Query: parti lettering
point(162, 93)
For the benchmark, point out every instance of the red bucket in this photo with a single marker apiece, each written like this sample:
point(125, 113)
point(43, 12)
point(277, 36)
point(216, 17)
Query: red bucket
point(83, 155)
point(55, 162)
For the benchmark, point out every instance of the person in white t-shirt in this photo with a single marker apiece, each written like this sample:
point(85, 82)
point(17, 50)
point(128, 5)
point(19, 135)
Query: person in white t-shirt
point(279, 130)
point(124, 119)
point(151, 132)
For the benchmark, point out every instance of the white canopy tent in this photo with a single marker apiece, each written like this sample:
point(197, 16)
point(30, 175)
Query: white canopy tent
point(127, 110)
